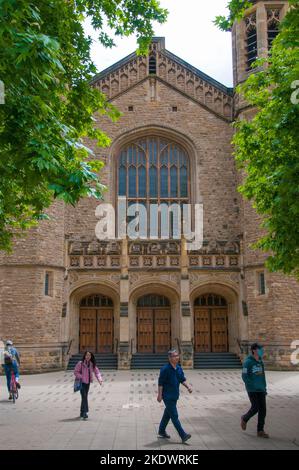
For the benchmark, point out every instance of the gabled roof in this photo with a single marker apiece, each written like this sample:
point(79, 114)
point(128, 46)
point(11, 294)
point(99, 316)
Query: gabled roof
point(176, 72)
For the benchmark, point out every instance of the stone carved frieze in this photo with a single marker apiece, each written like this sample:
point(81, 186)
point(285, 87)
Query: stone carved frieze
point(216, 254)
point(218, 247)
point(154, 254)
point(94, 247)
point(160, 247)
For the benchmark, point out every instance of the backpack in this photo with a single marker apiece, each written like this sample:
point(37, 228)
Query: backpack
point(8, 358)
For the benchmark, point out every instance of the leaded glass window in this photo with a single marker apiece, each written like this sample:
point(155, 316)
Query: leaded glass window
point(154, 170)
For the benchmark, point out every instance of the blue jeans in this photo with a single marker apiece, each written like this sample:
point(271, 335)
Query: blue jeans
point(171, 412)
point(7, 369)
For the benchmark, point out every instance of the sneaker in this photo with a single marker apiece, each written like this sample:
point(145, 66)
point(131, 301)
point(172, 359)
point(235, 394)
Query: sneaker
point(10, 396)
point(164, 435)
point(243, 424)
point(18, 385)
point(186, 438)
point(85, 416)
point(263, 434)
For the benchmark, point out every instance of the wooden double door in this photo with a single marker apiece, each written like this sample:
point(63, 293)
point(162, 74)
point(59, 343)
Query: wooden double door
point(96, 330)
point(153, 329)
point(211, 329)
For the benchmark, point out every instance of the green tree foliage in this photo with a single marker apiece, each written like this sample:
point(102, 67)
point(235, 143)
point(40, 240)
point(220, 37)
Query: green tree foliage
point(267, 147)
point(236, 11)
point(49, 107)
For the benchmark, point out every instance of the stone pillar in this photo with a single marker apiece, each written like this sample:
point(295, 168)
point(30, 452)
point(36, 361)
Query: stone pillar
point(243, 308)
point(124, 353)
point(186, 320)
point(262, 30)
point(124, 356)
point(239, 34)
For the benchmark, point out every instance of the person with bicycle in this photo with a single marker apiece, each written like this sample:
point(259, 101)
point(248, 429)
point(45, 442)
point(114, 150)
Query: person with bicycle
point(11, 364)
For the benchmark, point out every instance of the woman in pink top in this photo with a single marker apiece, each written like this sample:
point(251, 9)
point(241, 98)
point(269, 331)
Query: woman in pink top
point(84, 371)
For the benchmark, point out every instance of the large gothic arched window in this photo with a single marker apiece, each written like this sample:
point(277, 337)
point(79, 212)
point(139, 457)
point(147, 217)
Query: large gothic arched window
point(153, 170)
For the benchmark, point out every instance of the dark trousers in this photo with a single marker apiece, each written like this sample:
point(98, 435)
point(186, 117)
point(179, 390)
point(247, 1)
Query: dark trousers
point(171, 412)
point(258, 405)
point(84, 401)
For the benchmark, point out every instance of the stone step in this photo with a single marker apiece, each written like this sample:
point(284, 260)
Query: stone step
point(203, 354)
point(210, 361)
point(105, 361)
point(217, 367)
point(148, 361)
point(217, 361)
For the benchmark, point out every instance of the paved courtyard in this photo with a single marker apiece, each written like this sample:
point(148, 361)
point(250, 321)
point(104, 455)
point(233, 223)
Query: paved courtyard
point(124, 413)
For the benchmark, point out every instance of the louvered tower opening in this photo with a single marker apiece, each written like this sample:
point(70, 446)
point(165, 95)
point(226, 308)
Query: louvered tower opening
point(152, 65)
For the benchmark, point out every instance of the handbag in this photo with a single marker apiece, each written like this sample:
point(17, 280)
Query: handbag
point(78, 383)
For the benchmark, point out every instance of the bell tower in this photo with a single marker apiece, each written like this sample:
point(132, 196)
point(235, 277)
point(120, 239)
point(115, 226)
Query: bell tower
point(253, 36)
point(267, 298)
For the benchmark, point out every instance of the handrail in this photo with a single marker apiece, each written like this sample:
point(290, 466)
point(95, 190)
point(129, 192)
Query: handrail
point(116, 345)
point(131, 345)
point(179, 345)
point(243, 349)
point(69, 348)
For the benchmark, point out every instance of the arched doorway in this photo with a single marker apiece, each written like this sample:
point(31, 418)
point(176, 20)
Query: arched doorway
point(96, 324)
point(153, 324)
point(210, 324)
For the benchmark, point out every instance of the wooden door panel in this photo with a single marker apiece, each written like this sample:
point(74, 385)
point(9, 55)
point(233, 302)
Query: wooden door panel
point(219, 330)
point(105, 330)
point(162, 330)
point(87, 330)
point(202, 330)
point(145, 330)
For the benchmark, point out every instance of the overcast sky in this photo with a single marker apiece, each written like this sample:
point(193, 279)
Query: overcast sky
point(189, 33)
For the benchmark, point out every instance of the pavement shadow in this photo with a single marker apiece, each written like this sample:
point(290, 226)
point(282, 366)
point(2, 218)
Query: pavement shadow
point(69, 420)
point(158, 442)
point(8, 402)
point(153, 445)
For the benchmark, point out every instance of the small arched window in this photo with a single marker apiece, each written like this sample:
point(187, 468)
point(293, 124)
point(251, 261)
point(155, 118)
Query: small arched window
point(152, 171)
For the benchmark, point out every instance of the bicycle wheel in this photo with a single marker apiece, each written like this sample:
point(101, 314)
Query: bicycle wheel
point(14, 391)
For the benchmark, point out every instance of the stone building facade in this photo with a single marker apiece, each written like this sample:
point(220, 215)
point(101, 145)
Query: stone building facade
point(63, 290)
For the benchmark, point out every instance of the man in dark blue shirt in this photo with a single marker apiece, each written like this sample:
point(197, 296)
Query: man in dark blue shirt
point(171, 376)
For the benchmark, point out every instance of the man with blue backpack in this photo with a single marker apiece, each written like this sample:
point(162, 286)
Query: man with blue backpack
point(11, 363)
